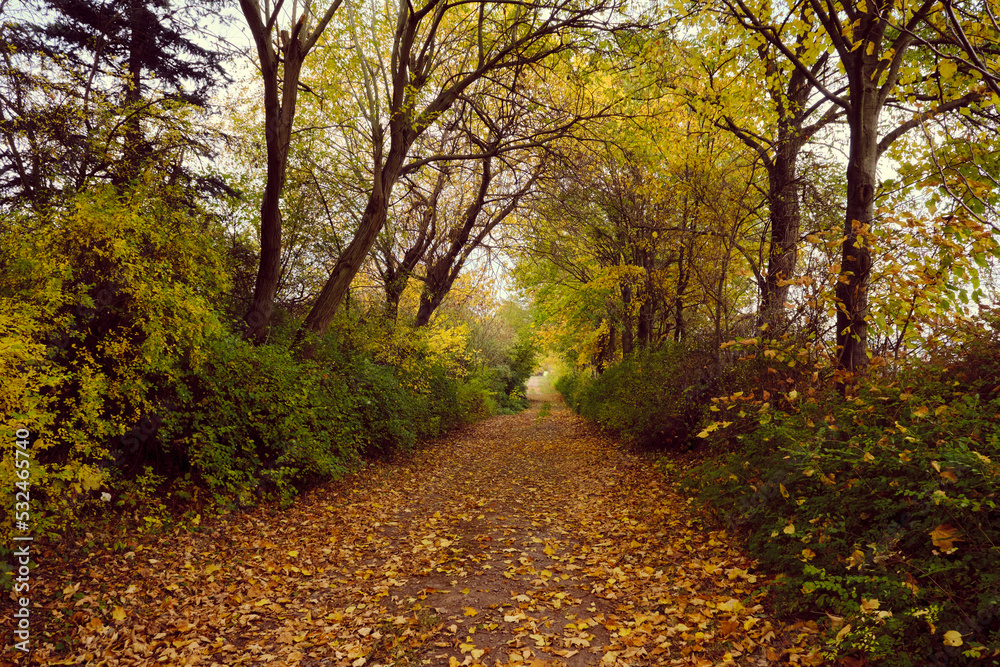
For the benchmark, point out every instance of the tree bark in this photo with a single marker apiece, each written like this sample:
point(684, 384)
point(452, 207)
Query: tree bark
point(279, 114)
point(855, 267)
point(628, 337)
point(372, 221)
point(785, 218)
point(132, 145)
point(443, 271)
point(397, 273)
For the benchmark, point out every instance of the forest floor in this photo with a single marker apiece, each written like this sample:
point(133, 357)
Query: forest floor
point(528, 540)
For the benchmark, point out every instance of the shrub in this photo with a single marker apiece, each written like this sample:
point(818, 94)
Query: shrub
point(105, 302)
point(880, 509)
point(572, 385)
point(653, 398)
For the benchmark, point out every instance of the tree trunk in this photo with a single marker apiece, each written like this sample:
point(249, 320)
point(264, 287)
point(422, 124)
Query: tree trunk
point(852, 287)
point(628, 341)
point(278, 117)
point(432, 295)
point(372, 221)
point(647, 304)
point(129, 167)
point(397, 274)
point(855, 267)
point(442, 272)
point(783, 200)
point(612, 350)
point(644, 328)
point(393, 293)
point(683, 275)
point(783, 195)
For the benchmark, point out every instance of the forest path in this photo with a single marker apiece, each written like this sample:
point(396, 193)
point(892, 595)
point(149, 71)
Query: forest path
point(527, 539)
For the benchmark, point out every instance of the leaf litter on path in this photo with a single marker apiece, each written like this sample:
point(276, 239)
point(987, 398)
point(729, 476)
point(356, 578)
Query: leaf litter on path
point(527, 540)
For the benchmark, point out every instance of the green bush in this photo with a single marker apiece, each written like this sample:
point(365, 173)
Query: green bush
point(880, 510)
point(253, 420)
point(111, 301)
point(571, 385)
point(653, 398)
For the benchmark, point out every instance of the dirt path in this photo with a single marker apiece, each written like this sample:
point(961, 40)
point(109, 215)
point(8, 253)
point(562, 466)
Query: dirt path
point(522, 540)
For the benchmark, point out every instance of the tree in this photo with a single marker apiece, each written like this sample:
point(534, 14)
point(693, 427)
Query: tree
point(97, 90)
point(413, 68)
point(887, 66)
point(478, 216)
point(412, 232)
point(145, 44)
point(725, 86)
point(280, 56)
point(641, 238)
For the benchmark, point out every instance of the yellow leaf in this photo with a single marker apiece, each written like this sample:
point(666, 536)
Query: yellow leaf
point(784, 491)
point(953, 638)
point(869, 457)
point(921, 412)
point(90, 478)
point(469, 611)
point(870, 605)
point(944, 536)
point(293, 553)
point(947, 69)
point(789, 529)
point(118, 614)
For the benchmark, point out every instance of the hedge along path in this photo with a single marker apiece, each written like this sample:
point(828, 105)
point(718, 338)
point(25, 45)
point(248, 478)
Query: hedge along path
point(526, 540)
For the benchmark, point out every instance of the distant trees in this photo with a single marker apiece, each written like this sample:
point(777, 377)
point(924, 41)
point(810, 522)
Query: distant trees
point(724, 83)
point(389, 76)
point(634, 241)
